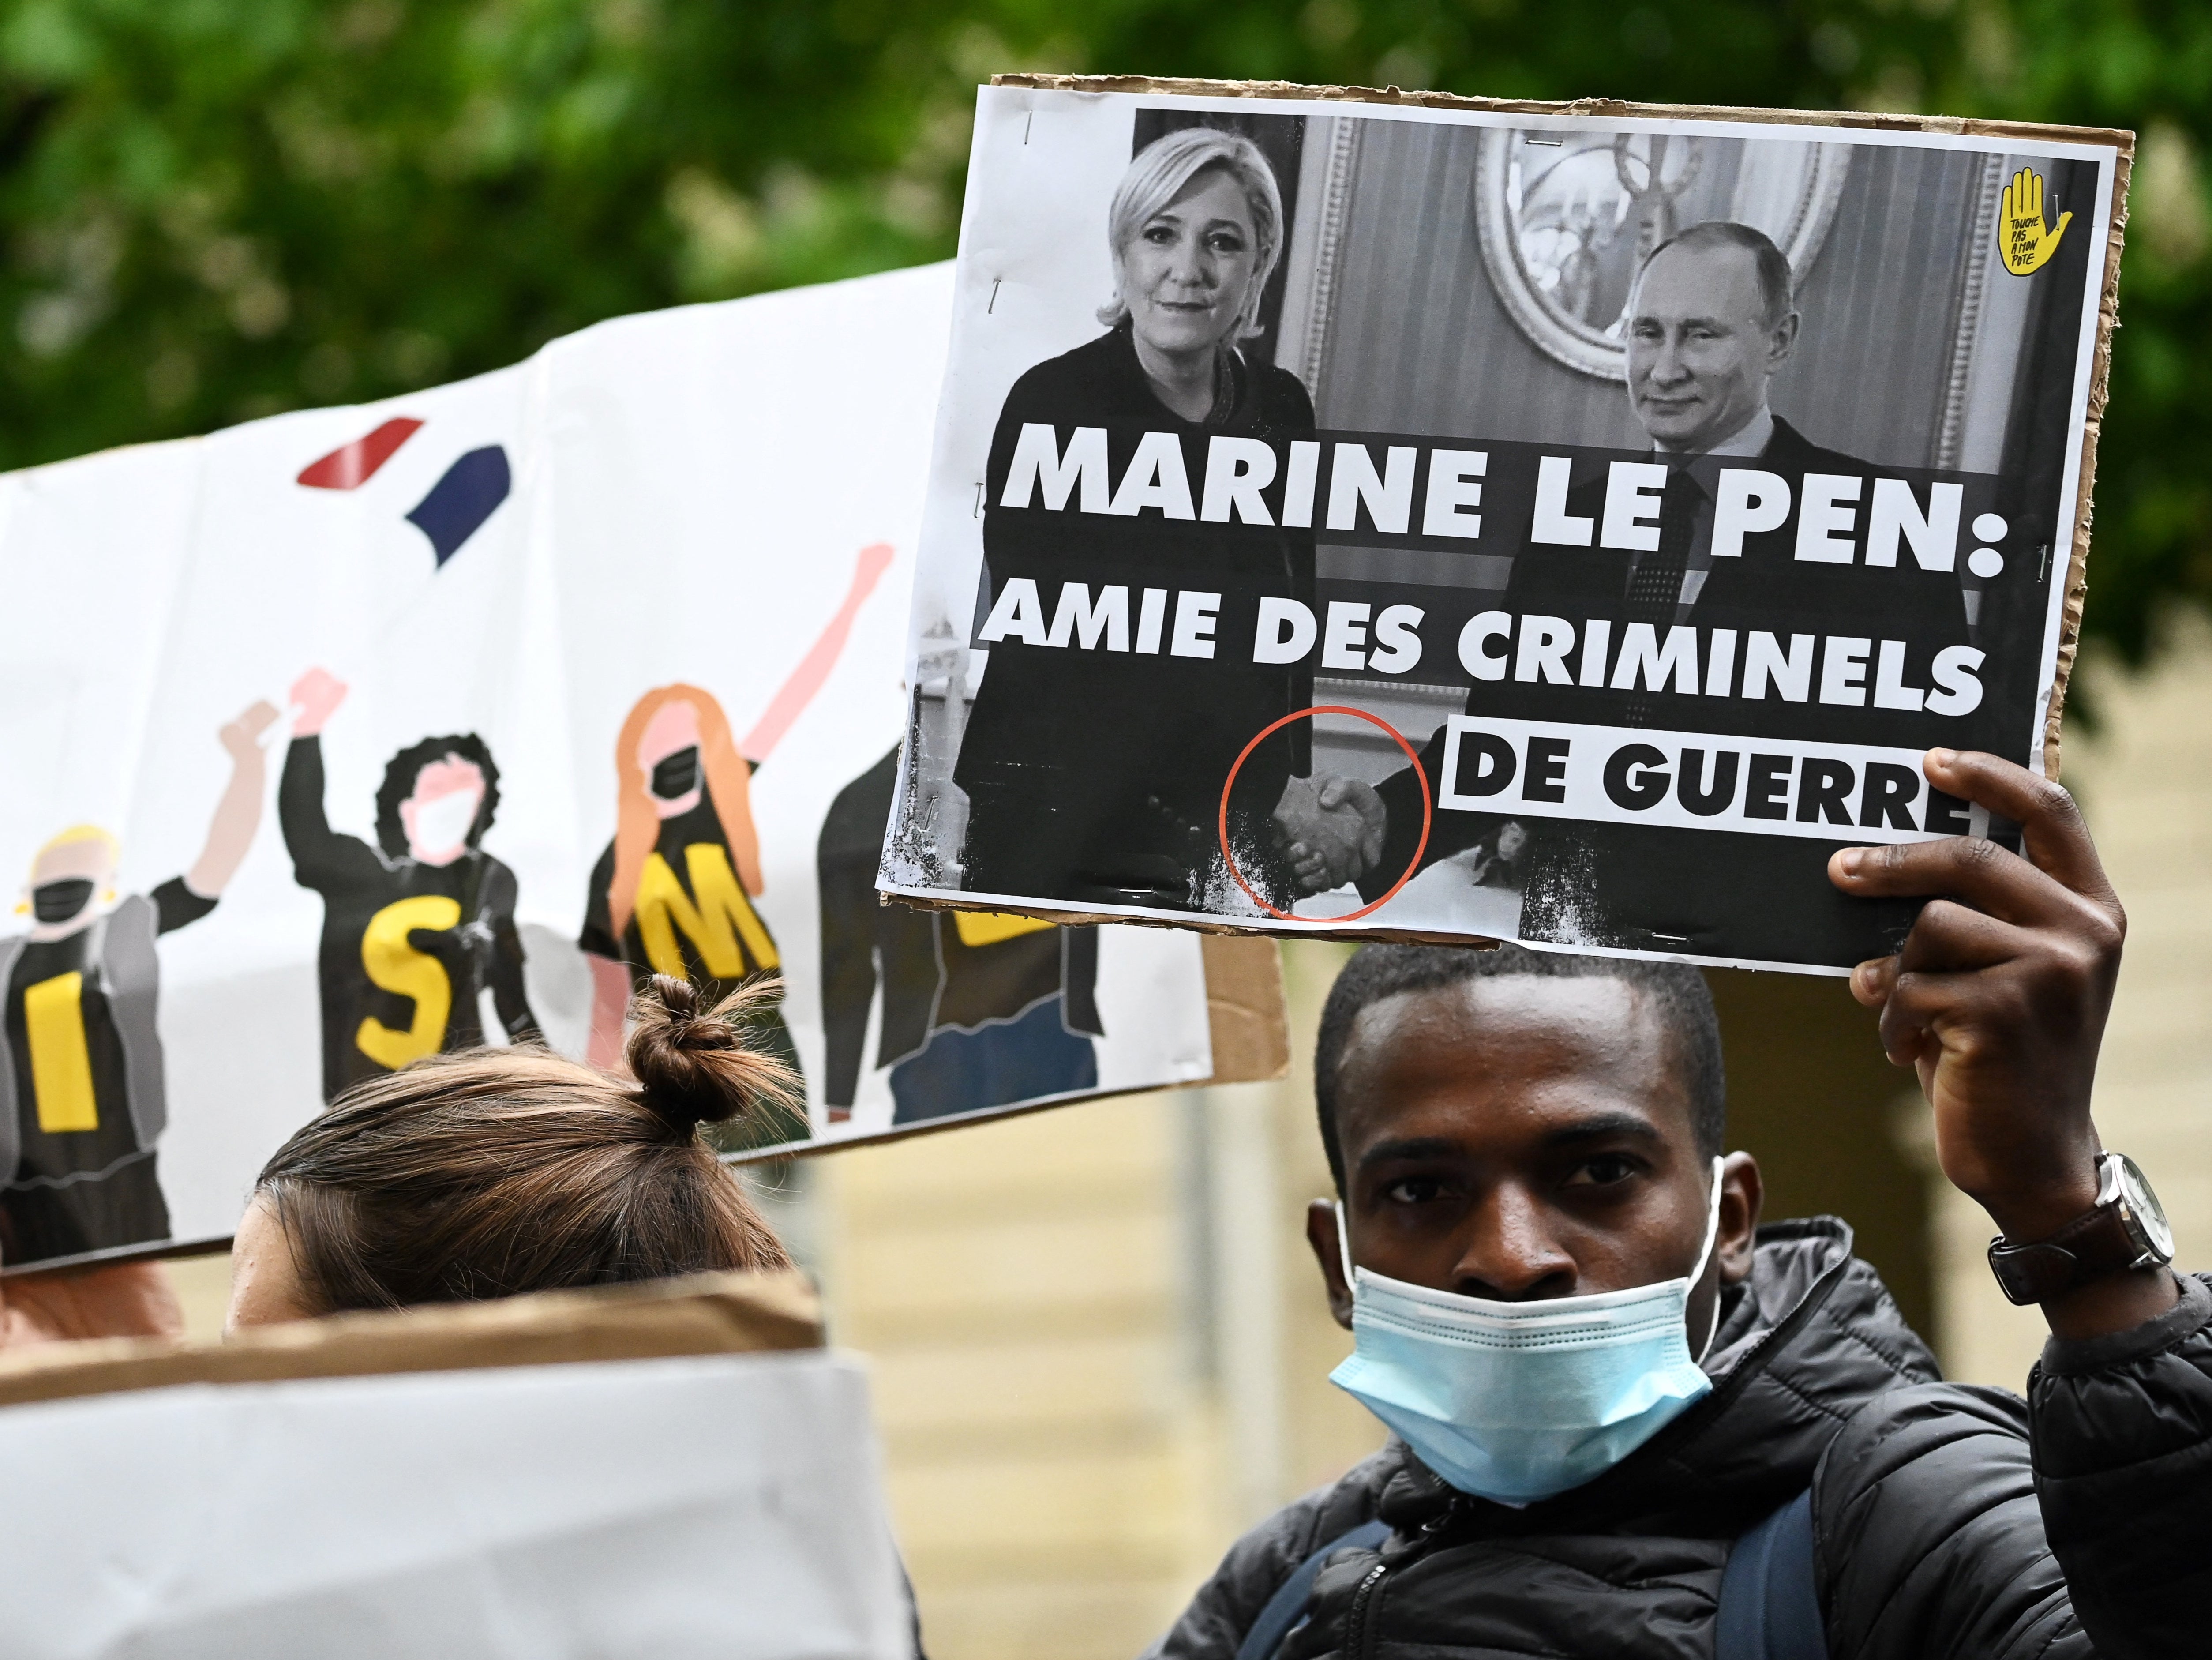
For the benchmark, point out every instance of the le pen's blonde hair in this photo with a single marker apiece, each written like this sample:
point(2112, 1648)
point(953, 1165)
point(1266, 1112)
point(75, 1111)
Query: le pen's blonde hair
point(489, 1172)
point(1158, 175)
point(637, 821)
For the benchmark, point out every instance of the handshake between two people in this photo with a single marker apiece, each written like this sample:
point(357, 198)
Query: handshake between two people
point(1330, 829)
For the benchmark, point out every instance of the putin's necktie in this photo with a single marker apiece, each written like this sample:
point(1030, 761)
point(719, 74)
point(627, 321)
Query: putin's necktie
point(1654, 587)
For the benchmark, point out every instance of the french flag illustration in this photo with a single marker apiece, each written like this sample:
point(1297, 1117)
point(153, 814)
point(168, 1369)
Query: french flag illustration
point(465, 495)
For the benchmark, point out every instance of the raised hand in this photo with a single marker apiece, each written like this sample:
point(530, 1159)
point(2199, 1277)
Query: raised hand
point(316, 695)
point(1998, 1000)
point(2025, 241)
point(238, 813)
point(242, 737)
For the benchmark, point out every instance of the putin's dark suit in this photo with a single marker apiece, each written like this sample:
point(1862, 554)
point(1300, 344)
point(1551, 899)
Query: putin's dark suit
point(1646, 888)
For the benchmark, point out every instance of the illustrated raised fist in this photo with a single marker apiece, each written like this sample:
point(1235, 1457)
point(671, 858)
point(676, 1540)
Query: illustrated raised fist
point(316, 695)
point(242, 737)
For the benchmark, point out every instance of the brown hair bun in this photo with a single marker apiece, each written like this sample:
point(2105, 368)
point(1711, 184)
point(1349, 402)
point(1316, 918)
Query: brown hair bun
point(698, 1066)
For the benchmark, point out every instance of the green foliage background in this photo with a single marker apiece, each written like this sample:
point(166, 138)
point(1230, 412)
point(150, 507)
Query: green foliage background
point(214, 209)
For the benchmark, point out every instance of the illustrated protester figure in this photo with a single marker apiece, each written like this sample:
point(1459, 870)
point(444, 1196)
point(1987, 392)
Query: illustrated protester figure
point(83, 1094)
point(673, 893)
point(979, 1009)
point(416, 928)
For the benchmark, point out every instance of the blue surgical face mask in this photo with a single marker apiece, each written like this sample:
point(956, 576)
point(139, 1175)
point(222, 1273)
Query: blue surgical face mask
point(1518, 1402)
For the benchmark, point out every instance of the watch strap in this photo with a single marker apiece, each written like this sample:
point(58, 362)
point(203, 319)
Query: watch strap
point(2091, 1246)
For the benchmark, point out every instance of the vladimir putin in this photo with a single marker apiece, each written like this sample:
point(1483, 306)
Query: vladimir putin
point(1711, 320)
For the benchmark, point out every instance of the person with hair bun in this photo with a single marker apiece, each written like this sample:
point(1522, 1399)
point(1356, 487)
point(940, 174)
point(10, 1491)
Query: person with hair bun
point(496, 1172)
point(673, 893)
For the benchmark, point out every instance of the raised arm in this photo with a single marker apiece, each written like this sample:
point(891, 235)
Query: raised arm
point(800, 688)
point(238, 814)
point(1998, 1000)
point(321, 858)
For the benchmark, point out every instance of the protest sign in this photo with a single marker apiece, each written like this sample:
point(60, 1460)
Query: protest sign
point(1425, 517)
point(559, 677)
point(378, 1484)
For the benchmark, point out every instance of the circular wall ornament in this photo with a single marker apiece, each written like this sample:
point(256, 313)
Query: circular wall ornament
point(1565, 217)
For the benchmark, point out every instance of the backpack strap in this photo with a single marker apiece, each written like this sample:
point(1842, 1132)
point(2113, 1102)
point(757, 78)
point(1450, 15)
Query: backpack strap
point(1280, 1614)
point(1770, 1609)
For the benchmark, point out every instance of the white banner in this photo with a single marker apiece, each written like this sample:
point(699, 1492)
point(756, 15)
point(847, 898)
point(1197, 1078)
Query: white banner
point(725, 1506)
point(351, 735)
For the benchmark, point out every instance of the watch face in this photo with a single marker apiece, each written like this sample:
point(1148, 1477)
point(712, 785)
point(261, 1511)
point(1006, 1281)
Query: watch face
point(2143, 1208)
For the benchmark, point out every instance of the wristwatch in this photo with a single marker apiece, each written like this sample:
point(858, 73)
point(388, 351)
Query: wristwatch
point(2127, 1229)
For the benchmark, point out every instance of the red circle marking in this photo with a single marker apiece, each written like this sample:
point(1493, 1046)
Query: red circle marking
point(1428, 811)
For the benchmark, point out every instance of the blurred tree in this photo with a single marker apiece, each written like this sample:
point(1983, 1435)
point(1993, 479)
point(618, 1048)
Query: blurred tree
point(215, 211)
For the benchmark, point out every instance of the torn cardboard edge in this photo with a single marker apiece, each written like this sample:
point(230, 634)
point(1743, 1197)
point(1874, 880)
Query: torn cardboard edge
point(1217, 931)
point(696, 1315)
point(2121, 142)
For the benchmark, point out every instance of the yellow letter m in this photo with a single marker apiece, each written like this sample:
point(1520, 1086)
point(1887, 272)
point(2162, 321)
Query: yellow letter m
point(722, 916)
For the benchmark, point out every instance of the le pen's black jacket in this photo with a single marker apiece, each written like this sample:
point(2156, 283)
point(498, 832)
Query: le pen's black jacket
point(1089, 771)
point(1950, 1522)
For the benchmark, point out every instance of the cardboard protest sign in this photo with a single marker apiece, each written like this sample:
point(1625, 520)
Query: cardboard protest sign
point(568, 674)
point(1427, 517)
point(380, 1484)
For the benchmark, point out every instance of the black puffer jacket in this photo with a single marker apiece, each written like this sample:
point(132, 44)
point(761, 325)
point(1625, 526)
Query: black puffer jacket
point(1930, 1543)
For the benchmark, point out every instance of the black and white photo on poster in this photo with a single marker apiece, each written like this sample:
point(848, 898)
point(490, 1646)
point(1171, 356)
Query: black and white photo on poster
point(1464, 523)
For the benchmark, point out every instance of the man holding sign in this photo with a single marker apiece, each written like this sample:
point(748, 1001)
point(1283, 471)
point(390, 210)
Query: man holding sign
point(1660, 671)
point(1630, 1421)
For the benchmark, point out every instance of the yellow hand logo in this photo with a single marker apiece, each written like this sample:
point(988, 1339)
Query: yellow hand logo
point(2022, 237)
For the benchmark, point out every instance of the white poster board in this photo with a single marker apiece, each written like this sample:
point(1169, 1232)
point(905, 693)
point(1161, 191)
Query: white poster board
point(723, 1505)
point(1414, 516)
point(349, 735)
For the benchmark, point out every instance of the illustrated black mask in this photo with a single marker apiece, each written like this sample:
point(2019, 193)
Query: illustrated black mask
point(677, 775)
point(56, 901)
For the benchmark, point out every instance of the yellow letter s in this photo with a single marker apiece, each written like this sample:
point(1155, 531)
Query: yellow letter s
point(398, 968)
